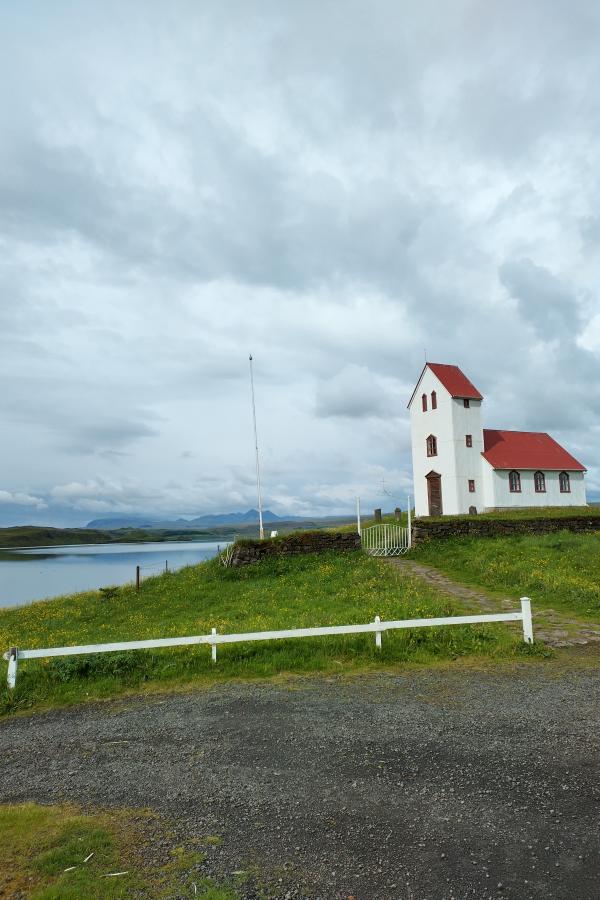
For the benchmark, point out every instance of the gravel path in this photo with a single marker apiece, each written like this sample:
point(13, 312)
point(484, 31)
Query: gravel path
point(557, 629)
point(424, 785)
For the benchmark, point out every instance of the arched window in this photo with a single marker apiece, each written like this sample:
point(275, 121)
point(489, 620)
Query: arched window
point(433, 400)
point(431, 445)
point(539, 481)
point(424, 402)
point(514, 482)
point(565, 483)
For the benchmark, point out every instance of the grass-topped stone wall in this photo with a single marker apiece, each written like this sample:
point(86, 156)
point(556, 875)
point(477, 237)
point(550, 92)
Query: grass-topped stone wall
point(501, 526)
point(247, 552)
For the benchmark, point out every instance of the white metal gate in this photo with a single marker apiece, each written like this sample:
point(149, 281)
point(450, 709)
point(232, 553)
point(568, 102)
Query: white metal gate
point(386, 540)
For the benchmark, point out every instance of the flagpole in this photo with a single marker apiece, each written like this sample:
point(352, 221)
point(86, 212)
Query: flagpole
point(260, 517)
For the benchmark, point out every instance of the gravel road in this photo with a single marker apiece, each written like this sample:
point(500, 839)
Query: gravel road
point(429, 784)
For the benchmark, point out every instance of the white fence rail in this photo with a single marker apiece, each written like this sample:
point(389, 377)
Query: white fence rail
point(14, 655)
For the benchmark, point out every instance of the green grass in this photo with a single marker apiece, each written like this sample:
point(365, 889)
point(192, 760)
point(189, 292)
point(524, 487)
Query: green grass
point(559, 571)
point(284, 592)
point(40, 842)
point(529, 512)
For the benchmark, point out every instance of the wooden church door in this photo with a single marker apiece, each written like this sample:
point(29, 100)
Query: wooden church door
point(434, 493)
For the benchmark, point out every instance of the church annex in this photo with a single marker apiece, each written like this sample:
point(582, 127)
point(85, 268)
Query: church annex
point(458, 464)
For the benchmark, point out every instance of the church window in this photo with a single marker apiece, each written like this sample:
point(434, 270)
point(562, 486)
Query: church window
point(433, 400)
point(514, 482)
point(431, 445)
point(539, 480)
point(466, 403)
point(424, 402)
point(471, 485)
point(469, 440)
point(565, 483)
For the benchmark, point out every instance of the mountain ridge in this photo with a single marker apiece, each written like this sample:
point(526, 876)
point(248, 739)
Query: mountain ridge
point(249, 517)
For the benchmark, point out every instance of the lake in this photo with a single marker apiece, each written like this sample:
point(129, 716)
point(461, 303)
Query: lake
point(43, 572)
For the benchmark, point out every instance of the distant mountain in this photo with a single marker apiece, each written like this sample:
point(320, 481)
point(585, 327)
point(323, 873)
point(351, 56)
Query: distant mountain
point(246, 518)
point(136, 521)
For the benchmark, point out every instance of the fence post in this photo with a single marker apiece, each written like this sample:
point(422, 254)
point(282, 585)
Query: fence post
point(527, 620)
point(409, 525)
point(377, 634)
point(214, 647)
point(13, 659)
point(358, 528)
point(377, 516)
point(137, 578)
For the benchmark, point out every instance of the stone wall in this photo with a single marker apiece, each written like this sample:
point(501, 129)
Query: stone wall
point(246, 552)
point(478, 526)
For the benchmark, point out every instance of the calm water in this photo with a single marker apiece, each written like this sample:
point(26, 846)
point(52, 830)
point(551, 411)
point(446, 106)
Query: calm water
point(37, 574)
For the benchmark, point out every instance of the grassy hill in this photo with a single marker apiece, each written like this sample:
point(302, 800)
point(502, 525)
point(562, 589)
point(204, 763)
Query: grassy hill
point(560, 571)
point(39, 536)
point(21, 536)
point(285, 592)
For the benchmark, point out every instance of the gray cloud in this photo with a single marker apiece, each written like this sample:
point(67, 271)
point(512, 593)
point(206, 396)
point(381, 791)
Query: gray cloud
point(548, 304)
point(338, 193)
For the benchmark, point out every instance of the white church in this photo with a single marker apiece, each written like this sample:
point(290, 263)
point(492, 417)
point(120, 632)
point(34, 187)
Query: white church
point(458, 465)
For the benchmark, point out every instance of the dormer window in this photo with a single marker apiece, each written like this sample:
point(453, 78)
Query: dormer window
point(466, 403)
point(424, 402)
point(514, 482)
point(539, 481)
point(565, 483)
point(431, 445)
point(433, 400)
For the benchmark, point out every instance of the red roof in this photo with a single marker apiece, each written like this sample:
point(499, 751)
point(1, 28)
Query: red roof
point(454, 380)
point(526, 450)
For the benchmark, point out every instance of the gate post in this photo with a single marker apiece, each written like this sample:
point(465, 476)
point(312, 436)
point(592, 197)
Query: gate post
point(409, 523)
point(377, 515)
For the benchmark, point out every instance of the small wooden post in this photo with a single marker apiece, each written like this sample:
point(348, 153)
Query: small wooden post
point(13, 658)
point(377, 515)
point(527, 620)
point(137, 578)
point(214, 647)
point(377, 634)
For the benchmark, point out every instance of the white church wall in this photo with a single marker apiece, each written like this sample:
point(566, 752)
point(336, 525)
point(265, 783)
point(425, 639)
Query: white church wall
point(439, 423)
point(489, 485)
point(528, 495)
point(467, 420)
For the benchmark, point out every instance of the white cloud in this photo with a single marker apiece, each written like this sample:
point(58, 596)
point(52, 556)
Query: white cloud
point(15, 498)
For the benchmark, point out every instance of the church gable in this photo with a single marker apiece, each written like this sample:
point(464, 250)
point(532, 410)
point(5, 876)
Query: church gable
point(452, 379)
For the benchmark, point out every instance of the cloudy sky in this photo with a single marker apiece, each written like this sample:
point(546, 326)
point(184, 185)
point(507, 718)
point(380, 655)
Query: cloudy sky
point(336, 187)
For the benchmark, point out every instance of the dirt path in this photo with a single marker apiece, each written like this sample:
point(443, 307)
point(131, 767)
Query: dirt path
point(554, 628)
point(418, 786)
